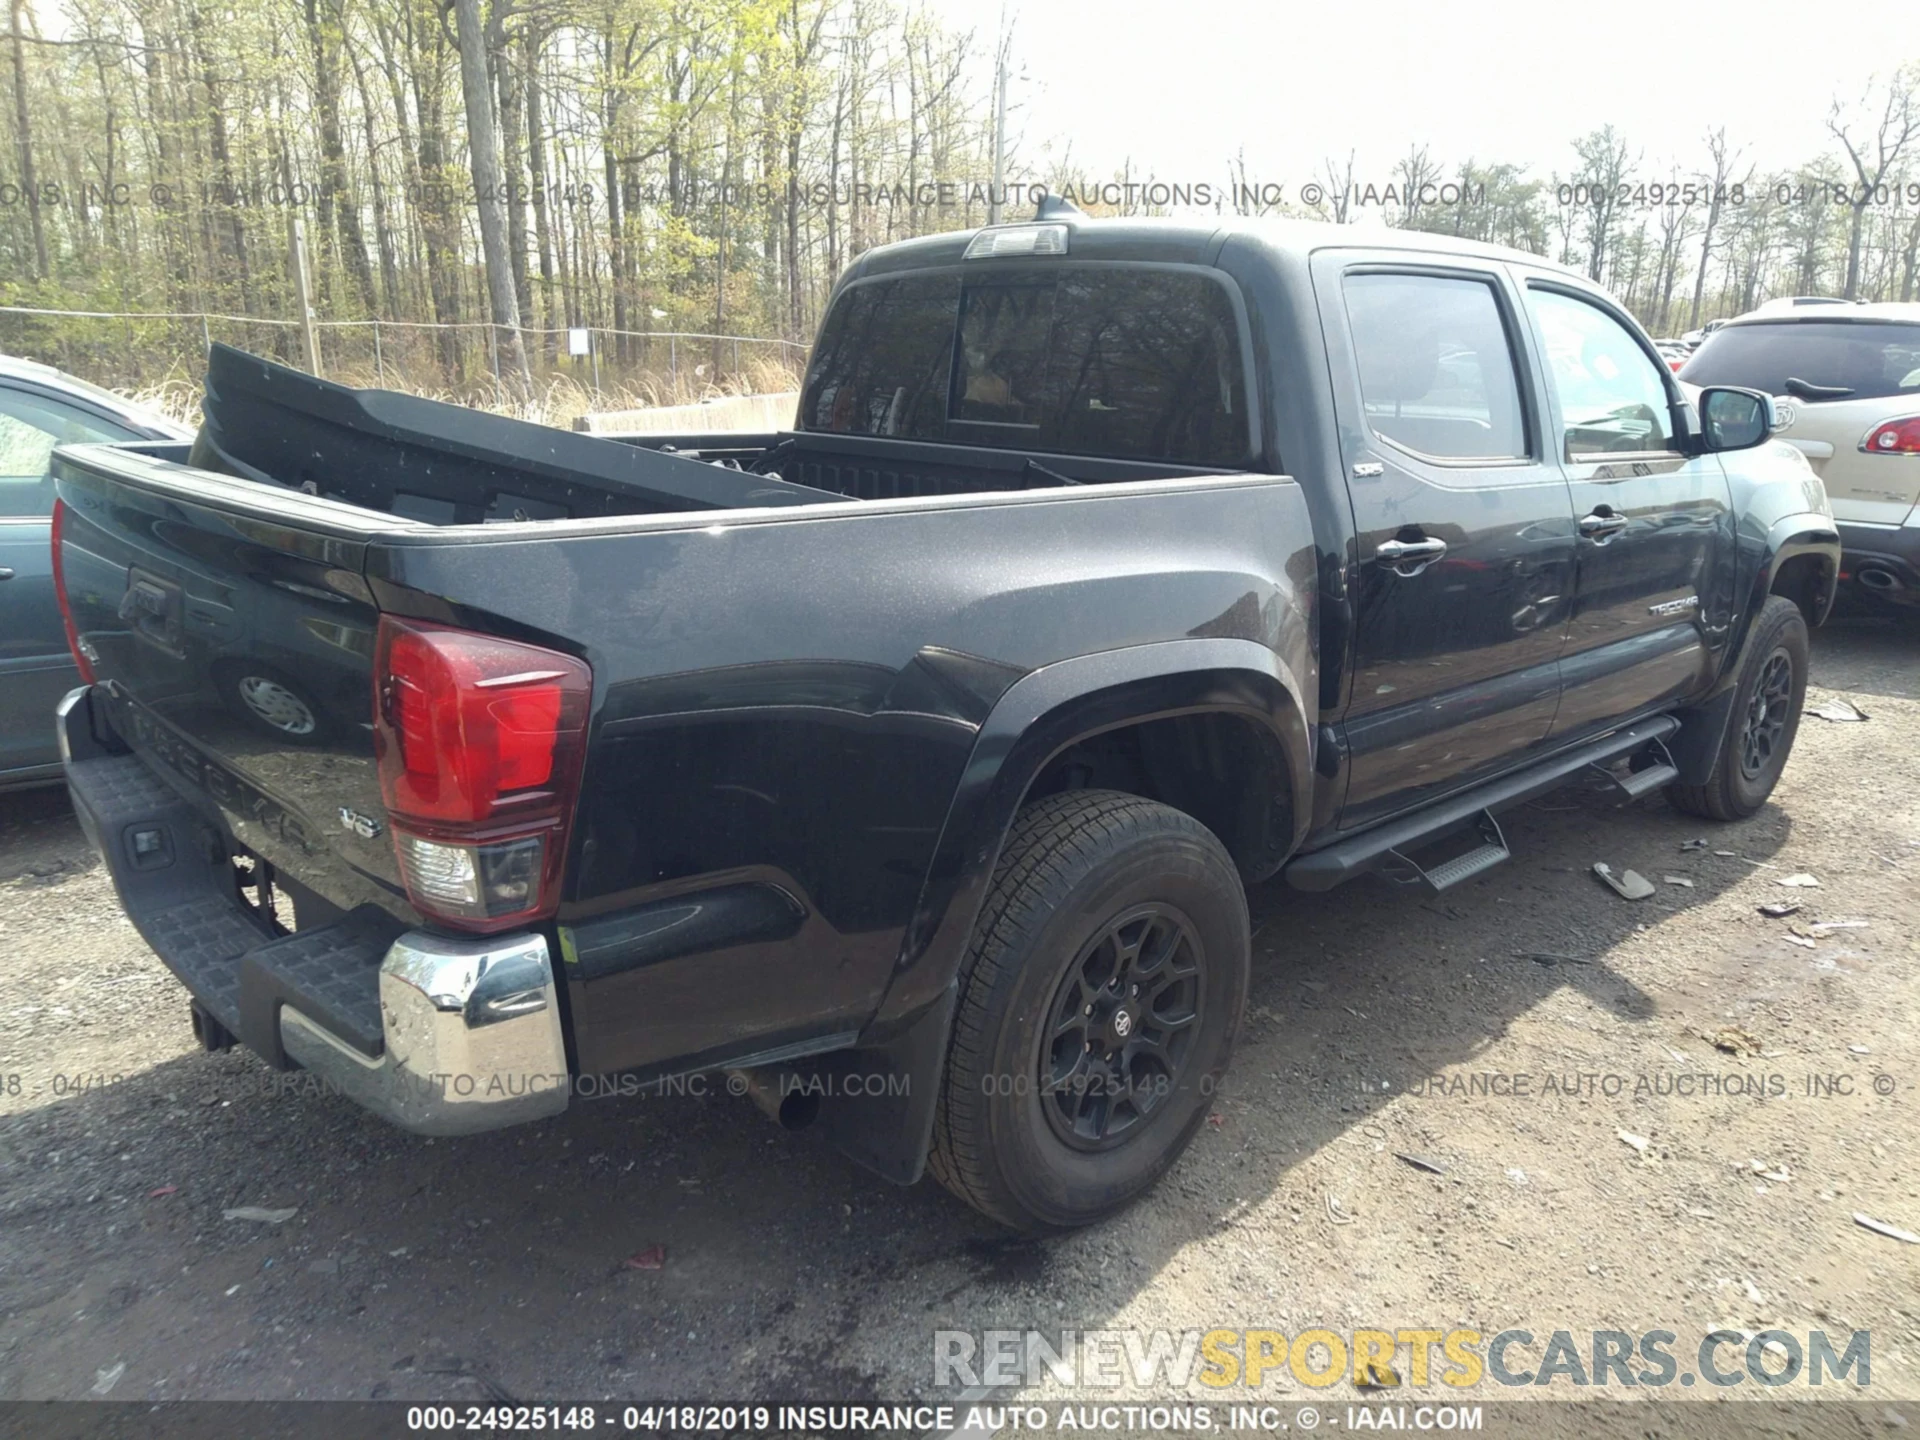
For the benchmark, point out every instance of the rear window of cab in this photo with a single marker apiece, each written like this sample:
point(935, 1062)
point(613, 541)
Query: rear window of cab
point(1123, 362)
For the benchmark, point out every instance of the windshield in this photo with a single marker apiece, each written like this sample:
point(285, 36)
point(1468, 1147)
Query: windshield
point(1131, 363)
point(1867, 359)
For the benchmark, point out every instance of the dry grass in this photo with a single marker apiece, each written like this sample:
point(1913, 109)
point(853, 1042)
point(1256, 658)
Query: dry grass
point(174, 398)
point(557, 400)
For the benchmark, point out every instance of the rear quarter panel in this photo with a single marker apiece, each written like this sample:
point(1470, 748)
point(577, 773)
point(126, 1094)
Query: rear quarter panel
point(785, 704)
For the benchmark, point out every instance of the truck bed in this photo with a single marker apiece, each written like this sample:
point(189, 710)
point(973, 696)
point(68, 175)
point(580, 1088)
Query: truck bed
point(446, 464)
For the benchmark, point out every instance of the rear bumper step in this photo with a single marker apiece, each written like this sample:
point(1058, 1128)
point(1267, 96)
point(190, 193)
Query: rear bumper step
point(1387, 844)
point(440, 1035)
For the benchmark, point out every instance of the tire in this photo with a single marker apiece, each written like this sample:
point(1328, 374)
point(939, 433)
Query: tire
point(1032, 1127)
point(1768, 695)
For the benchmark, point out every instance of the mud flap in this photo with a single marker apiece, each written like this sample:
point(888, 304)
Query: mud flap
point(1695, 746)
point(877, 1105)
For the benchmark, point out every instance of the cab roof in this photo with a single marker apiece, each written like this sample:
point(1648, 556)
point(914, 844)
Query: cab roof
point(1192, 242)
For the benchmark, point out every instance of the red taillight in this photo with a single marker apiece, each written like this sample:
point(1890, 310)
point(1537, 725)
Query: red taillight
point(60, 592)
point(1896, 437)
point(480, 743)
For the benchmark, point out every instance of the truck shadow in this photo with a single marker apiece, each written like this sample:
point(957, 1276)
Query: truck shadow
point(676, 1245)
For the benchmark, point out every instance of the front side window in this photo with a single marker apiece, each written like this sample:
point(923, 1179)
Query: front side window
point(1119, 362)
point(30, 426)
point(1612, 397)
point(1436, 369)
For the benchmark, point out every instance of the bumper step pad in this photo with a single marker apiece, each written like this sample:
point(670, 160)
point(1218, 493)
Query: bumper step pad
point(202, 942)
point(330, 974)
point(171, 869)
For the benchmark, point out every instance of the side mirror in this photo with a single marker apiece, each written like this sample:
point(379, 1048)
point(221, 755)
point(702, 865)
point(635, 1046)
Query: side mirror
point(1734, 419)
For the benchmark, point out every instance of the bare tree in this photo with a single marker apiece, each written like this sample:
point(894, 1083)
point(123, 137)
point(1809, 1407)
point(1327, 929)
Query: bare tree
point(1874, 158)
point(1724, 159)
point(1415, 172)
point(1339, 188)
point(334, 201)
point(622, 116)
point(23, 137)
point(1676, 223)
point(1605, 168)
point(483, 148)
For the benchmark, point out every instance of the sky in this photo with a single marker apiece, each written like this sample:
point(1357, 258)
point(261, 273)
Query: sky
point(1179, 86)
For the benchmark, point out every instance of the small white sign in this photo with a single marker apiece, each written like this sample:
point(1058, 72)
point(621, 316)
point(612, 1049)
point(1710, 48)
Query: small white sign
point(579, 342)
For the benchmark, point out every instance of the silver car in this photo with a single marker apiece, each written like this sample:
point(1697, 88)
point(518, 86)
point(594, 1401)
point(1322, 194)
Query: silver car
point(40, 408)
point(1846, 378)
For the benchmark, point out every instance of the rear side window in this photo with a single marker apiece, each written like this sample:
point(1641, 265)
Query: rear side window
point(1870, 360)
point(1436, 368)
point(1132, 364)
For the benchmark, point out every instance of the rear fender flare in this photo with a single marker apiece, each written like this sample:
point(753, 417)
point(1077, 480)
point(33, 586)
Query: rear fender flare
point(1045, 713)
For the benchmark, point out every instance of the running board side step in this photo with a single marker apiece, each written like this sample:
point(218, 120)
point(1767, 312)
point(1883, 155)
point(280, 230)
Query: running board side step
point(1358, 854)
point(1403, 869)
point(1636, 784)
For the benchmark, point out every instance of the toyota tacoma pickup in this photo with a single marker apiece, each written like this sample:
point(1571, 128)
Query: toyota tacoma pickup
point(910, 765)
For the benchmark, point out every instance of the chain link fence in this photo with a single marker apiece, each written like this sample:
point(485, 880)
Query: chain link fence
point(590, 367)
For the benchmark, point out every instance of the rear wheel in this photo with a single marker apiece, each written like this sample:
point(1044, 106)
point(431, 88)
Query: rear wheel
point(1098, 1004)
point(1762, 722)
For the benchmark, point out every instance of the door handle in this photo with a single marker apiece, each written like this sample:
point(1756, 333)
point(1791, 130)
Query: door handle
point(1599, 524)
point(6, 572)
point(1401, 552)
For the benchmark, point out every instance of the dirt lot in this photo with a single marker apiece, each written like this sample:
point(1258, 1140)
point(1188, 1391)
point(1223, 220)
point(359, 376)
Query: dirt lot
point(496, 1266)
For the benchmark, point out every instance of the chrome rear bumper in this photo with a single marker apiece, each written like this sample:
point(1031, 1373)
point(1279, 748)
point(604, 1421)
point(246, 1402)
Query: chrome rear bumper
point(473, 1037)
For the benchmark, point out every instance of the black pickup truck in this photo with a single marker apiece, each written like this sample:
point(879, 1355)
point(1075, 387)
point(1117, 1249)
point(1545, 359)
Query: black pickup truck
point(909, 766)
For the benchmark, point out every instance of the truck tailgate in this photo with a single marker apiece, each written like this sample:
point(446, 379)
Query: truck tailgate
point(231, 632)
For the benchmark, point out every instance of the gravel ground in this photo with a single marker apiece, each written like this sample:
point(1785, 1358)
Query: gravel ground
point(495, 1267)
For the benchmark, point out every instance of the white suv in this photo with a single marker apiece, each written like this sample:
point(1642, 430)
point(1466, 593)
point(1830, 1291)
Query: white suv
point(1847, 382)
